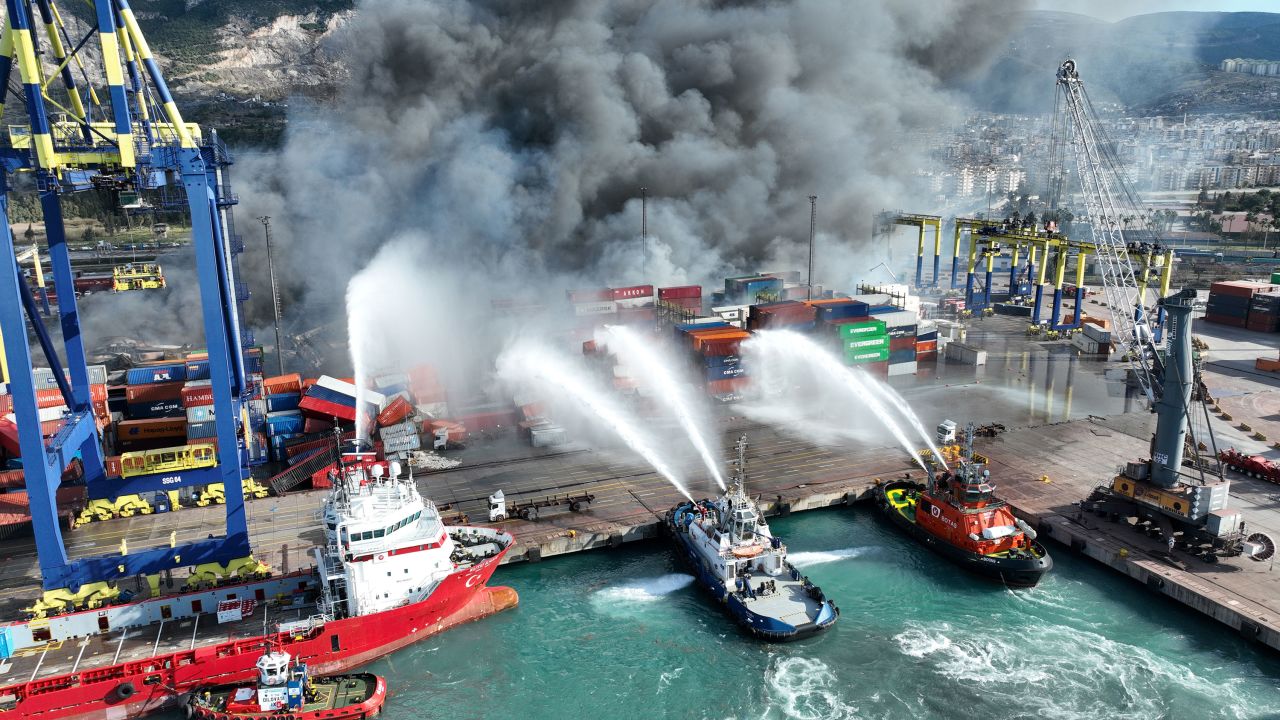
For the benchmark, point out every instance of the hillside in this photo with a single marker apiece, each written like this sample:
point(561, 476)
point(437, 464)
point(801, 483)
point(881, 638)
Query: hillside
point(1163, 63)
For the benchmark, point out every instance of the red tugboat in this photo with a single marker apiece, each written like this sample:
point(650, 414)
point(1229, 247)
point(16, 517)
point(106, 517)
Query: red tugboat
point(958, 516)
point(286, 689)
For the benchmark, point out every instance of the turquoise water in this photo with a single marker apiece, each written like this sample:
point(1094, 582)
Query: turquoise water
point(625, 634)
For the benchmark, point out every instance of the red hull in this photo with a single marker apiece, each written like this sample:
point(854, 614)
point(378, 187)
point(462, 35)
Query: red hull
point(339, 647)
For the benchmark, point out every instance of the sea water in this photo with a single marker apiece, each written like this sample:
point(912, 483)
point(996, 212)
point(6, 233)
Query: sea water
point(627, 634)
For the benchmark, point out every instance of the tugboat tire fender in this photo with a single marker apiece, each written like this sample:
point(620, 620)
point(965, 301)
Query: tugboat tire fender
point(124, 691)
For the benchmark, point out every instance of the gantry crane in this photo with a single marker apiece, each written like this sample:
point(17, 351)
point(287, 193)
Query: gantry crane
point(132, 140)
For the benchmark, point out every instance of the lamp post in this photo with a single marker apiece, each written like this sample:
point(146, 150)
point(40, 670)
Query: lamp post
point(275, 295)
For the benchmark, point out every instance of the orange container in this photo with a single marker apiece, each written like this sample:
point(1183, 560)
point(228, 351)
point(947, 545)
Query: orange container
point(281, 384)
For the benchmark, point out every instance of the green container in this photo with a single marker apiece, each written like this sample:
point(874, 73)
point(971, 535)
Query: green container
point(869, 328)
point(863, 344)
point(1275, 276)
point(859, 357)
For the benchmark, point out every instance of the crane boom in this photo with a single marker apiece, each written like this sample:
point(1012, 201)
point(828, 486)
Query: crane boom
point(1111, 208)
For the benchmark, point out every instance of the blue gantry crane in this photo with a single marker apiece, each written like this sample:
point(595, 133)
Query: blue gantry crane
point(135, 140)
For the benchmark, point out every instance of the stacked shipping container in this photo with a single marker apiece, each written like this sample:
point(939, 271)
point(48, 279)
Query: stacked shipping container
point(1264, 312)
point(1230, 302)
point(715, 348)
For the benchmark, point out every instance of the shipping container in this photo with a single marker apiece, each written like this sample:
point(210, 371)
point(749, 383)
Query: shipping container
point(1241, 288)
point(635, 292)
point(199, 414)
point(828, 311)
point(850, 328)
point(1097, 334)
point(153, 392)
point(858, 357)
point(926, 346)
point(902, 331)
point(721, 372)
point(727, 388)
point(197, 369)
point(197, 392)
point(898, 318)
point(281, 384)
point(905, 368)
point(169, 372)
point(682, 292)
point(589, 296)
point(1225, 320)
point(202, 431)
point(907, 355)
point(966, 354)
point(906, 342)
point(43, 377)
point(154, 409)
point(395, 412)
point(866, 344)
point(279, 402)
point(154, 428)
point(599, 307)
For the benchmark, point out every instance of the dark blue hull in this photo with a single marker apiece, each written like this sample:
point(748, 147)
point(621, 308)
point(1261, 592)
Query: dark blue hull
point(761, 626)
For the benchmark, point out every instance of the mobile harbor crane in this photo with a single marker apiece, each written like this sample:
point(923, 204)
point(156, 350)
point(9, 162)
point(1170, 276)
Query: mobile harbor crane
point(1184, 507)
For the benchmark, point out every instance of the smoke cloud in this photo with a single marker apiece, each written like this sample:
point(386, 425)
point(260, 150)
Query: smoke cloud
point(512, 139)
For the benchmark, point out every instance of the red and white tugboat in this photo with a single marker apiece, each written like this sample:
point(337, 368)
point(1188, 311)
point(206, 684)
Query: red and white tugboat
point(390, 573)
point(958, 516)
point(286, 689)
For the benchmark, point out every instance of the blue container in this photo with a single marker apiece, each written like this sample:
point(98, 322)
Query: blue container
point(881, 309)
point(253, 363)
point(156, 374)
point(722, 360)
point(926, 337)
point(155, 409)
point(202, 431)
point(841, 311)
point(902, 356)
point(682, 329)
point(283, 401)
point(1023, 288)
point(284, 423)
point(197, 369)
point(725, 372)
point(902, 331)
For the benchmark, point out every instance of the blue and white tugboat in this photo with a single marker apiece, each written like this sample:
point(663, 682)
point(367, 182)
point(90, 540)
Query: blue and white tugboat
point(734, 556)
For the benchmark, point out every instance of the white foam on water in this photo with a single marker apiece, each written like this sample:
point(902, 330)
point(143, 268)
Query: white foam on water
point(820, 557)
point(806, 689)
point(1079, 674)
point(645, 589)
point(664, 680)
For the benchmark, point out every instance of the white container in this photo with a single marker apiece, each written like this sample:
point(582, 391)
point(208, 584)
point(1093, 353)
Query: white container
point(599, 307)
point(346, 388)
point(435, 411)
point(903, 318)
point(52, 413)
point(548, 436)
point(1087, 344)
point(966, 354)
point(906, 368)
point(1096, 333)
point(43, 377)
point(200, 413)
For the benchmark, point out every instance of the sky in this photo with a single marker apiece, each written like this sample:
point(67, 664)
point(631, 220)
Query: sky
point(1113, 10)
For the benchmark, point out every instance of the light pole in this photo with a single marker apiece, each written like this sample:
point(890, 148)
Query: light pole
point(644, 233)
point(275, 295)
point(813, 222)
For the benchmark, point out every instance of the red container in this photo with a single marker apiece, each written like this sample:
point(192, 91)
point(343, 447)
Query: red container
point(153, 392)
point(728, 386)
point(112, 465)
point(586, 296)
point(902, 343)
point(925, 346)
point(9, 437)
point(1225, 320)
point(315, 425)
point(197, 396)
point(721, 348)
point(489, 420)
point(49, 428)
point(683, 292)
point(281, 384)
point(457, 432)
point(12, 480)
point(395, 411)
point(131, 430)
point(878, 368)
point(1240, 288)
point(930, 356)
point(630, 293)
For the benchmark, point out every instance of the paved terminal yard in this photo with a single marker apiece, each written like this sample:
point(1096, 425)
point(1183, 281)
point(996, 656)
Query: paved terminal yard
point(1064, 423)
